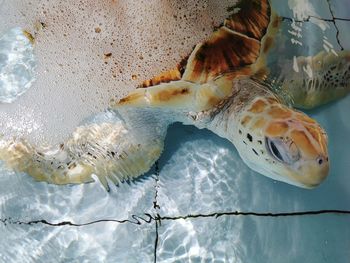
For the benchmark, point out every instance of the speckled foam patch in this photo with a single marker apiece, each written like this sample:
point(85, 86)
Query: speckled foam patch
point(91, 51)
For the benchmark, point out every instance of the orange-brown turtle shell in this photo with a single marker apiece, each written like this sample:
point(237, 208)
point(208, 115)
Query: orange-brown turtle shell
point(234, 45)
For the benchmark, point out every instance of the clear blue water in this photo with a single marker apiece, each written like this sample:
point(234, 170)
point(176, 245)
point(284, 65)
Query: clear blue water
point(215, 180)
point(17, 65)
point(198, 174)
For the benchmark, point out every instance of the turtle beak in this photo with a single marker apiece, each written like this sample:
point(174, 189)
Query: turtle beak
point(312, 173)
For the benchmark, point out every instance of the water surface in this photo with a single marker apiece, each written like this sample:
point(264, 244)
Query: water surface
point(198, 174)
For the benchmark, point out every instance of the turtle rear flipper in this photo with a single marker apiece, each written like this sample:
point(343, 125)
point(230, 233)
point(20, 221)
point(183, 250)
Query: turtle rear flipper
point(111, 151)
point(319, 79)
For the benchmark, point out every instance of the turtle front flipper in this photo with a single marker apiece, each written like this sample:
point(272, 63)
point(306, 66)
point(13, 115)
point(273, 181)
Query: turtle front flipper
point(177, 98)
point(319, 79)
point(204, 79)
point(111, 150)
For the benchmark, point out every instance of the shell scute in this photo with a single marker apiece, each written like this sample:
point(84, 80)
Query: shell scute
point(279, 112)
point(303, 142)
point(258, 106)
point(277, 129)
point(168, 94)
point(224, 52)
point(132, 97)
point(252, 18)
point(165, 77)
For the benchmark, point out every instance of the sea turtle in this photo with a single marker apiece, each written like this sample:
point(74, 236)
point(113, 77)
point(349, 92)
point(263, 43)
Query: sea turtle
point(222, 86)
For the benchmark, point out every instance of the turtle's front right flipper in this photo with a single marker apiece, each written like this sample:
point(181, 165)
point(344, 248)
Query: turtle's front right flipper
point(111, 149)
point(319, 79)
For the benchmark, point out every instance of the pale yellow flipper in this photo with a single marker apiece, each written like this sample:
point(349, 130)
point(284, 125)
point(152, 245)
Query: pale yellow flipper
point(178, 96)
point(110, 151)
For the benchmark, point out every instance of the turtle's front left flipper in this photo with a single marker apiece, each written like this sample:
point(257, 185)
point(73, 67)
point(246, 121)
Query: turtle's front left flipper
point(113, 150)
point(319, 79)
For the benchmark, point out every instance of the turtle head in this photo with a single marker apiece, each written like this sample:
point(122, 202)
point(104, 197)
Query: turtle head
point(282, 143)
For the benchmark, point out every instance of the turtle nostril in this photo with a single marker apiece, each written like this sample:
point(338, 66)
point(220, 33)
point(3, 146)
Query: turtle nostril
point(321, 160)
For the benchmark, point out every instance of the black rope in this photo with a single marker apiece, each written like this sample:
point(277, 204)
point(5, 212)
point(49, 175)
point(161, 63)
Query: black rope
point(148, 218)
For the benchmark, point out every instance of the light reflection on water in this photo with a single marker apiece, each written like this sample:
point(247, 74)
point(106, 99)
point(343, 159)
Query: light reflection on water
point(246, 239)
point(102, 243)
point(17, 65)
point(199, 173)
point(25, 200)
point(206, 160)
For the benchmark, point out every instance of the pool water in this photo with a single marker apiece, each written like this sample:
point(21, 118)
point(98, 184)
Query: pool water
point(200, 202)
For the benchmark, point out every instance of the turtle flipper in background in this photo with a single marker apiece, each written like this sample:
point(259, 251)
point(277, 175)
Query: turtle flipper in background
point(318, 79)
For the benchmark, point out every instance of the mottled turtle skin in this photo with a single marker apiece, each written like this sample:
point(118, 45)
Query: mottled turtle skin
point(222, 86)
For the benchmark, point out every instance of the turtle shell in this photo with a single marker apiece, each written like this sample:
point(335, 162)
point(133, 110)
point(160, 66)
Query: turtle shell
point(232, 46)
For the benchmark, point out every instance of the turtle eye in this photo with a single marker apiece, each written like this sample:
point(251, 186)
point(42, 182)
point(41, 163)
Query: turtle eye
point(274, 150)
point(284, 151)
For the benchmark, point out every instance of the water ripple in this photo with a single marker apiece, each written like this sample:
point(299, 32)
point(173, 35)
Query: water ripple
point(17, 65)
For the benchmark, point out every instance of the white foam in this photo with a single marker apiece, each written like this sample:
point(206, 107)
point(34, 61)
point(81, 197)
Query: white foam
point(90, 51)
